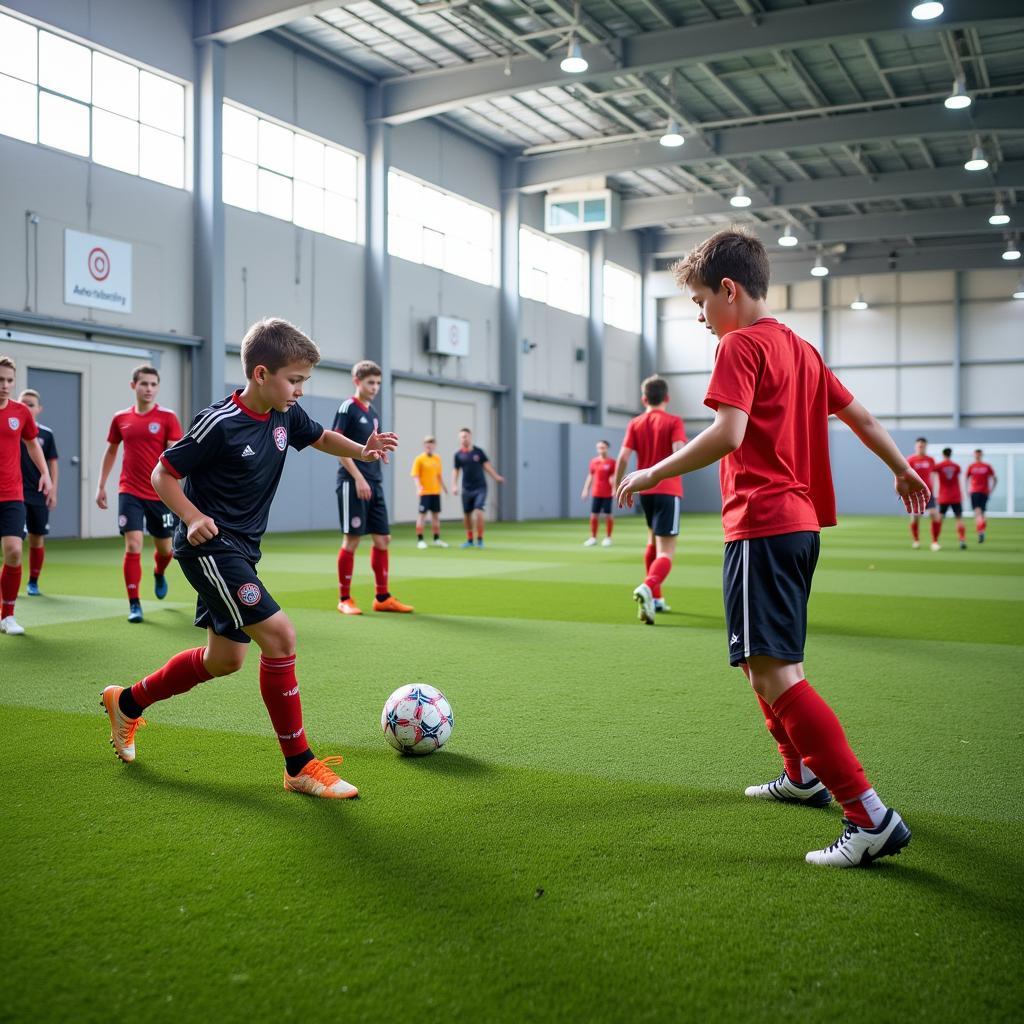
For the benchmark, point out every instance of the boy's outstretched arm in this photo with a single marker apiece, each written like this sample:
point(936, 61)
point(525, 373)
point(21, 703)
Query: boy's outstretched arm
point(378, 446)
point(912, 490)
point(200, 528)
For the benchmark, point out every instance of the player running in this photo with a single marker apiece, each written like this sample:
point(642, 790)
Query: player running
point(654, 435)
point(772, 395)
point(951, 497)
point(471, 463)
point(428, 473)
point(981, 482)
point(231, 462)
point(361, 506)
point(16, 425)
point(924, 466)
point(146, 430)
point(37, 507)
point(598, 486)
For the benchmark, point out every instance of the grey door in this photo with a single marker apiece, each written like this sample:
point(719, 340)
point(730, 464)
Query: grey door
point(61, 397)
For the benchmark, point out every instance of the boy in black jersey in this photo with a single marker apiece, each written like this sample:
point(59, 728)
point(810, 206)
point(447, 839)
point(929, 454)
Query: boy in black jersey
point(231, 462)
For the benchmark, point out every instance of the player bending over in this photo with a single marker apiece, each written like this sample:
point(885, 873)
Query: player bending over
point(37, 507)
point(428, 473)
point(231, 462)
point(981, 482)
point(471, 463)
point(772, 395)
point(924, 466)
point(598, 486)
point(951, 497)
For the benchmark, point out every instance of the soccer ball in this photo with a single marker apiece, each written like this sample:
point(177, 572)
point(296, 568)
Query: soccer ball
point(417, 719)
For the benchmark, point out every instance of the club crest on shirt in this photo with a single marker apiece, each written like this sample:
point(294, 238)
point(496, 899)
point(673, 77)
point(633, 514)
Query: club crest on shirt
point(13, 422)
point(249, 594)
point(154, 428)
point(280, 438)
point(476, 458)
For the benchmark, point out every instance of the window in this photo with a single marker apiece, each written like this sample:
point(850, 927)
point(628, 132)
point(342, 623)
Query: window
point(621, 298)
point(68, 96)
point(273, 169)
point(427, 225)
point(553, 272)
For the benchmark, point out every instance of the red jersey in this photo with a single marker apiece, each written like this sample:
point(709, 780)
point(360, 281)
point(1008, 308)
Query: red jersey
point(16, 422)
point(651, 436)
point(145, 436)
point(779, 480)
point(924, 467)
point(601, 473)
point(948, 473)
point(979, 478)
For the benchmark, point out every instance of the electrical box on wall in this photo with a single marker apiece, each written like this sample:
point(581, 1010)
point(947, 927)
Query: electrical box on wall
point(448, 336)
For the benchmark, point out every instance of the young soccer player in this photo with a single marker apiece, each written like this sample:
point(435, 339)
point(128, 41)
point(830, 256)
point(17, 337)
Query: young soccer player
point(16, 425)
point(231, 462)
point(772, 395)
point(599, 485)
point(146, 430)
point(361, 506)
point(429, 475)
point(924, 466)
point(37, 507)
point(654, 435)
point(950, 495)
point(981, 482)
point(471, 463)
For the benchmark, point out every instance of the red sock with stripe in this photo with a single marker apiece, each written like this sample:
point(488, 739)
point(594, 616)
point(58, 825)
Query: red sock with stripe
point(132, 574)
point(179, 675)
point(379, 565)
point(160, 562)
point(593, 526)
point(346, 562)
point(36, 556)
point(609, 525)
point(280, 692)
point(10, 584)
point(936, 530)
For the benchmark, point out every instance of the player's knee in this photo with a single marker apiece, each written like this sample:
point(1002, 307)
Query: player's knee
point(223, 663)
point(381, 541)
point(133, 544)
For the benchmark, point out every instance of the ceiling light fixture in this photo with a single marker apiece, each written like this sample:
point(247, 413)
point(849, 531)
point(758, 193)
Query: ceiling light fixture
point(672, 137)
point(574, 63)
point(858, 303)
point(1018, 292)
point(1012, 250)
point(740, 199)
point(998, 215)
point(978, 160)
point(788, 239)
point(958, 98)
point(819, 269)
point(926, 11)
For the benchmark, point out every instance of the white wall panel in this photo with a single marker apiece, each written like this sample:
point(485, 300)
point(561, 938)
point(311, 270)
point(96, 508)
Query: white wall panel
point(551, 367)
point(874, 388)
point(927, 286)
point(989, 284)
point(995, 388)
point(806, 323)
point(925, 390)
point(865, 336)
point(621, 367)
point(994, 330)
point(552, 413)
point(926, 332)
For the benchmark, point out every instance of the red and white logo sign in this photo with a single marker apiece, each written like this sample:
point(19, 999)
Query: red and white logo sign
point(280, 438)
point(249, 594)
point(99, 264)
point(154, 428)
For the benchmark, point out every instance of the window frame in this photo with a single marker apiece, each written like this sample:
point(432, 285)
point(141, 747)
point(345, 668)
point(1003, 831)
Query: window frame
point(637, 323)
point(550, 272)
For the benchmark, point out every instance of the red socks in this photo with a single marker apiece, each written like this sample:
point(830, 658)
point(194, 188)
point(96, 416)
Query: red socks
point(160, 562)
point(280, 692)
point(179, 675)
point(132, 574)
point(961, 532)
point(10, 584)
point(608, 524)
point(35, 562)
point(979, 525)
point(593, 526)
point(936, 529)
point(659, 569)
point(346, 560)
point(915, 530)
point(791, 759)
point(379, 565)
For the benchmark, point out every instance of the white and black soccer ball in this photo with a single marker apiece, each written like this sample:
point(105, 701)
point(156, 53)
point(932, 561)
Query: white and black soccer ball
point(417, 719)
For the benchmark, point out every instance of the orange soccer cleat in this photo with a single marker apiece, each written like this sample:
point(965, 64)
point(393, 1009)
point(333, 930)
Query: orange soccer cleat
point(317, 779)
point(122, 728)
point(390, 604)
point(349, 607)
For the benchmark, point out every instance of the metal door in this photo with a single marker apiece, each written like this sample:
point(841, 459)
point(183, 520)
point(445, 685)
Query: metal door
point(61, 398)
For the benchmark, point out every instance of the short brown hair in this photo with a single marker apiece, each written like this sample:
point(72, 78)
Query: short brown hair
point(655, 390)
point(465, 430)
point(273, 343)
point(733, 253)
point(7, 361)
point(31, 393)
point(144, 371)
point(430, 439)
point(366, 368)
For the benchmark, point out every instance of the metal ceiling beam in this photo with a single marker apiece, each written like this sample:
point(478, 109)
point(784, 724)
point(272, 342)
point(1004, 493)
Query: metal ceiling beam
point(412, 97)
point(228, 21)
point(659, 210)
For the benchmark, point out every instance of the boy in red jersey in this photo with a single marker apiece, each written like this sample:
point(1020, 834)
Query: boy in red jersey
point(37, 507)
point(654, 435)
point(772, 395)
point(146, 430)
point(598, 486)
point(220, 480)
point(16, 424)
point(950, 495)
point(981, 482)
point(924, 466)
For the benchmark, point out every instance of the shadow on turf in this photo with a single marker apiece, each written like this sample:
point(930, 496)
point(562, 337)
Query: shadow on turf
point(447, 763)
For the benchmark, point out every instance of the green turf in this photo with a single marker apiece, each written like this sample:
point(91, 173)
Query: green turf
point(581, 851)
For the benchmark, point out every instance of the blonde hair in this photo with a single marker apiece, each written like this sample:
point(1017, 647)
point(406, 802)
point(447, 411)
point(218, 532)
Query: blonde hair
point(274, 343)
point(31, 393)
point(7, 361)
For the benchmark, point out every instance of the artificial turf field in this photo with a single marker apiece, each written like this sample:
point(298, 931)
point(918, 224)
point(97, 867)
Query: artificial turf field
point(580, 851)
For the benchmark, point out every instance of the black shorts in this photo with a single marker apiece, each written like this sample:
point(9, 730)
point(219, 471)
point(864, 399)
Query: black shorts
point(931, 502)
point(599, 505)
point(133, 512)
point(430, 503)
point(766, 582)
point(230, 594)
point(979, 500)
point(473, 500)
point(944, 507)
point(662, 513)
point(37, 519)
point(360, 517)
point(12, 519)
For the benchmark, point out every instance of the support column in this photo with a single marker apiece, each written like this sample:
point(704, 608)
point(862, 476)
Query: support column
point(648, 311)
point(595, 330)
point(510, 408)
point(958, 347)
point(208, 264)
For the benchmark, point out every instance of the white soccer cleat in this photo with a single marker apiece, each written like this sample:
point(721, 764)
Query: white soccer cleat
point(590, 542)
point(660, 606)
point(10, 626)
point(916, 544)
point(644, 604)
point(936, 546)
point(859, 847)
point(607, 542)
point(786, 791)
point(422, 545)
point(440, 543)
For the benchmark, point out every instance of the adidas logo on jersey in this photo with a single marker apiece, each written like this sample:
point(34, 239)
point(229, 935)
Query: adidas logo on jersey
point(248, 451)
point(363, 419)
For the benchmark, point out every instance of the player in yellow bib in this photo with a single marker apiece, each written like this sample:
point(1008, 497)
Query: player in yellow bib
point(429, 477)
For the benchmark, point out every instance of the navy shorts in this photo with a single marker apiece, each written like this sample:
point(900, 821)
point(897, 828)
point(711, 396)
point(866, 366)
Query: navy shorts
point(931, 502)
point(766, 582)
point(133, 512)
point(958, 509)
point(979, 500)
point(360, 517)
point(473, 500)
point(599, 505)
point(430, 503)
point(12, 519)
point(662, 513)
point(230, 594)
point(37, 519)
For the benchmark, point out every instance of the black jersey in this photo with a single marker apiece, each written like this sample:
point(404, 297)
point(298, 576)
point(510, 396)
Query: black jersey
point(29, 473)
point(232, 459)
point(471, 463)
point(357, 422)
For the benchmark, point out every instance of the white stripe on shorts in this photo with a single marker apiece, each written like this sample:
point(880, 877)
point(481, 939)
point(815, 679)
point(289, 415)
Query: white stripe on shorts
point(746, 605)
point(212, 573)
point(675, 518)
point(344, 506)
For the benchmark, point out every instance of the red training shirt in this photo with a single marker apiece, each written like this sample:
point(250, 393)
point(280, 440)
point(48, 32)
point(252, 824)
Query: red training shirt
point(145, 436)
point(948, 473)
point(779, 480)
point(924, 467)
point(16, 422)
point(979, 478)
point(601, 472)
point(651, 435)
